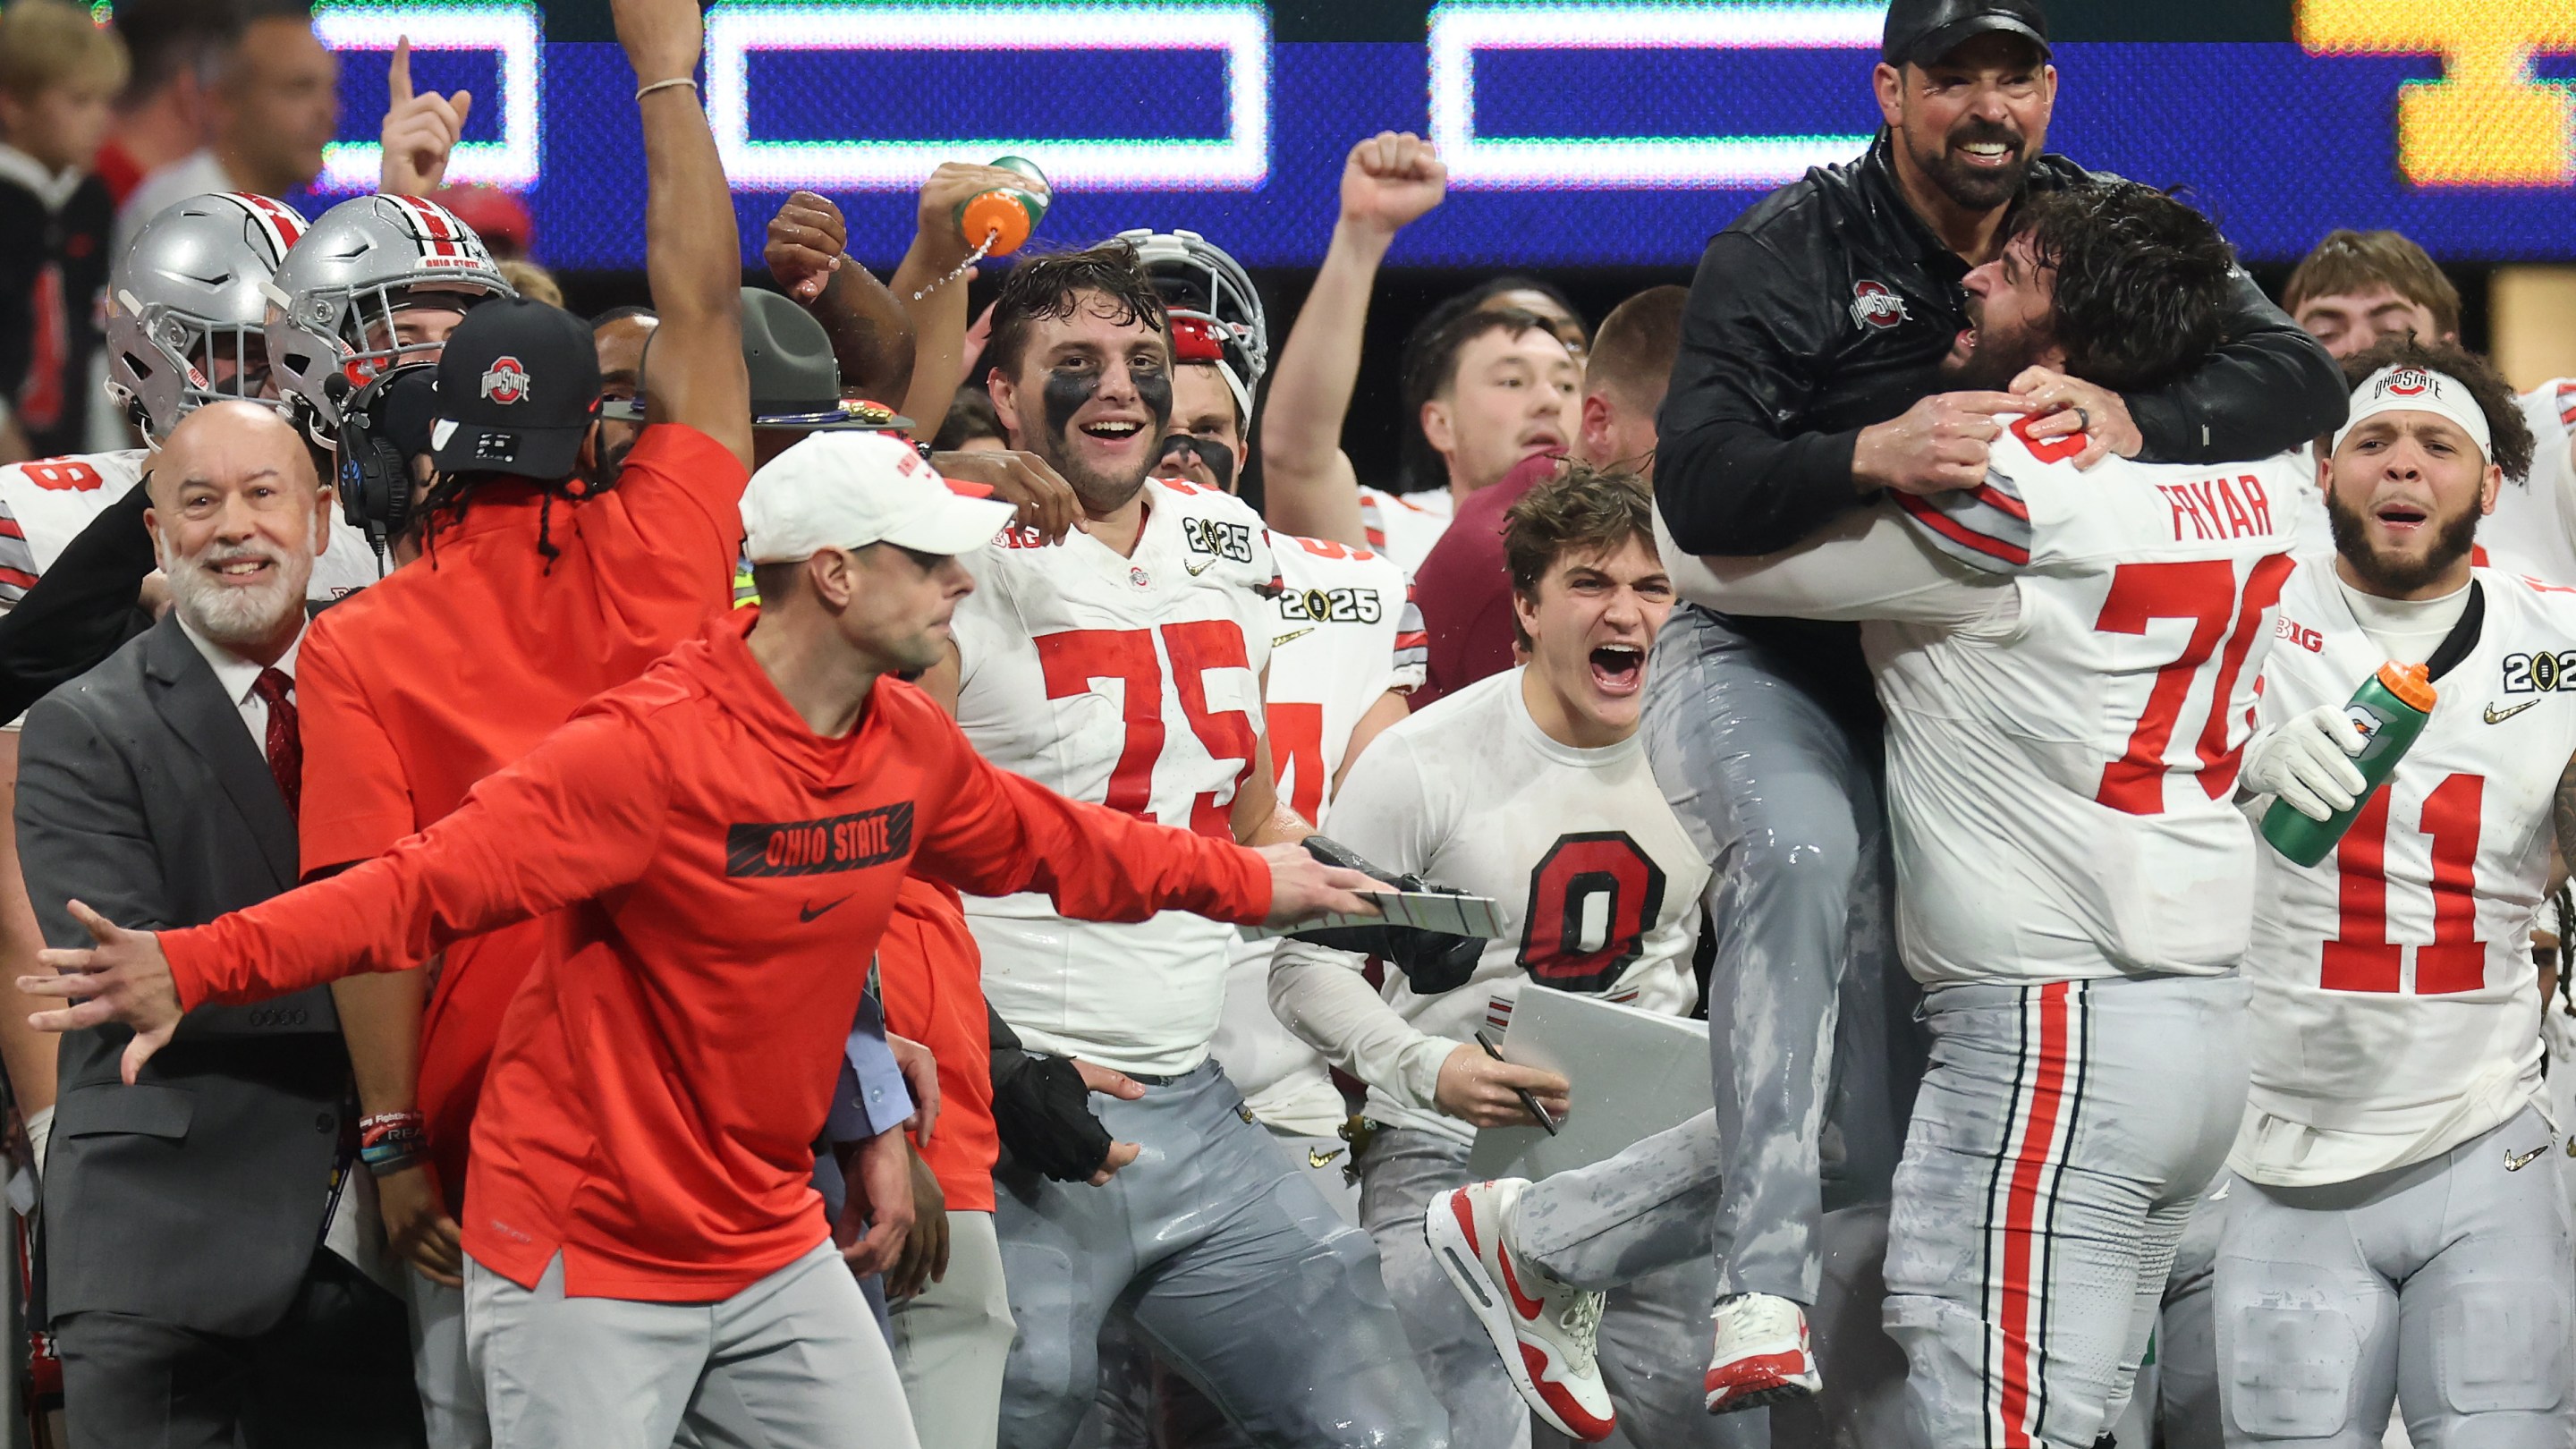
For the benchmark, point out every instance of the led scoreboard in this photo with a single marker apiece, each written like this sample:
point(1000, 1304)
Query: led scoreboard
point(1576, 133)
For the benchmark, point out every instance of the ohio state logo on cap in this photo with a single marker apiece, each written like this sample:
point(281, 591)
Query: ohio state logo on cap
point(505, 381)
point(2406, 382)
point(1873, 305)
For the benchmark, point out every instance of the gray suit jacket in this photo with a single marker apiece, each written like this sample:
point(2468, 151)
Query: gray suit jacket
point(195, 1197)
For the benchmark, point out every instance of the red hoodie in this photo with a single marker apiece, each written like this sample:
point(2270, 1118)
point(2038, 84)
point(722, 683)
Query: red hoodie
point(664, 1071)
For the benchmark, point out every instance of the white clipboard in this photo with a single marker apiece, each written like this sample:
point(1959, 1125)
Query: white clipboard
point(1633, 1073)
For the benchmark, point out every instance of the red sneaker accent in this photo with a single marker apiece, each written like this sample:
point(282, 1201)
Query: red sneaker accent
point(1466, 1217)
point(1588, 1427)
point(1522, 1303)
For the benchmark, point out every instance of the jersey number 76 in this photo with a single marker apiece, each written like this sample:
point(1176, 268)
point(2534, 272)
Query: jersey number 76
point(2205, 592)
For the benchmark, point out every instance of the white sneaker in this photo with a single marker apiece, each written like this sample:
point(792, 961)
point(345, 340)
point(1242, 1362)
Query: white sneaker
point(1543, 1328)
point(1762, 1355)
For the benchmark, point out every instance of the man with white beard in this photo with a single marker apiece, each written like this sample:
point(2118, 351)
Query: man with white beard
point(163, 785)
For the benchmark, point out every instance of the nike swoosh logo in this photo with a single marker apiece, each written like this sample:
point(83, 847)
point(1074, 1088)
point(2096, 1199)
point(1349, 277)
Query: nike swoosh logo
point(1278, 639)
point(1523, 1304)
point(2499, 716)
point(2517, 1161)
point(1194, 570)
point(2221, 1194)
point(812, 913)
point(1317, 1157)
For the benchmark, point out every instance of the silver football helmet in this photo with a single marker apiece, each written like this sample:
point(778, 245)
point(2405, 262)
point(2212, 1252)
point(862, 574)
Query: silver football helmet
point(185, 309)
point(331, 326)
point(1212, 303)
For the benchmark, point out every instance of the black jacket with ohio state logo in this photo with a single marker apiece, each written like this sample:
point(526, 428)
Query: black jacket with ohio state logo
point(1828, 307)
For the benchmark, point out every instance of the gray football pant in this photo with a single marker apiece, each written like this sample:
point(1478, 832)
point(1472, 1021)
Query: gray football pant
point(795, 1361)
point(951, 1339)
point(1232, 1265)
point(1808, 1007)
point(1141, 1403)
point(2187, 1329)
point(1654, 1335)
point(1648, 1208)
point(2061, 1140)
point(2443, 1287)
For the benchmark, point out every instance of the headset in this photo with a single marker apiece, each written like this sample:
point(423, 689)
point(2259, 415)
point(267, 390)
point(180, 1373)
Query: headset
point(381, 426)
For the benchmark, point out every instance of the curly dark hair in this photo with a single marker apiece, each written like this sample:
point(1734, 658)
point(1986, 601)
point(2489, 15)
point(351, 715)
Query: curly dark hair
point(2141, 280)
point(1045, 288)
point(2514, 445)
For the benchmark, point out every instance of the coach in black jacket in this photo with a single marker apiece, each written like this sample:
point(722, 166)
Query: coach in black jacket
point(192, 1296)
point(1814, 338)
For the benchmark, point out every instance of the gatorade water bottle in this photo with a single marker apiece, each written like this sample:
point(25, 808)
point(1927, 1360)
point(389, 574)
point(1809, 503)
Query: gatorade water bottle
point(2389, 711)
point(1001, 220)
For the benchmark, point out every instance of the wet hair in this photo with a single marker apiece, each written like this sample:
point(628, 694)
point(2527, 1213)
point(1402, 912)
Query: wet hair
point(2141, 281)
point(2348, 263)
point(1049, 288)
point(1582, 510)
point(2514, 446)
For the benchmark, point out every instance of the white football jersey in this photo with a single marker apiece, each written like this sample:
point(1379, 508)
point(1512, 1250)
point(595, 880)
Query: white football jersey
point(45, 503)
point(1598, 884)
point(1404, 526)
point(2396, 1014)
point(2060, 783)
point(1132, 682)
point(1344, 631)
point(2533, 528)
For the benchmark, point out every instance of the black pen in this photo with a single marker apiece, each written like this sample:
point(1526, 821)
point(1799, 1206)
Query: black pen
point(1527, 1099)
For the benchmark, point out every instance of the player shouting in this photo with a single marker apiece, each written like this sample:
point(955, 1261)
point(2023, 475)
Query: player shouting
point(1531, 787)
point(1124, 665)
point(2067, 661)
point(2400, 1231)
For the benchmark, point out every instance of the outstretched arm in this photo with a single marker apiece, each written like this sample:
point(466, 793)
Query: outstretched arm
point(692, 254)
point(578, 816)
point(1308, 485)
point(808, 254)
point(1869, 564)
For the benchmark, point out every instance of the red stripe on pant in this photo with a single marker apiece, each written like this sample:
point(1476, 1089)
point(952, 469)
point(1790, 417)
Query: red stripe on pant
point(2033, 1163)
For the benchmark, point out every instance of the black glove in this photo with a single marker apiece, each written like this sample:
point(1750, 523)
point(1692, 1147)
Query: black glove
point(1043, 1113)
point(1432, 961)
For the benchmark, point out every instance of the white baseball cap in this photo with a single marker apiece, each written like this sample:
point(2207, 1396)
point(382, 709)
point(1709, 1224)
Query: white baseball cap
point(851, 489)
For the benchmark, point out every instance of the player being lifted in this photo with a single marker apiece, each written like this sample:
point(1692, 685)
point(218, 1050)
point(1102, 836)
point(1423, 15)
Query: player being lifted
point(2401, 1231)
point(1531, 787)
point(2068, 663)
point(1124, 666)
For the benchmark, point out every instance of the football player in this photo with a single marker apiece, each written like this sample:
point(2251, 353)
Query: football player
point(1123, 666)
point(2399, 1231)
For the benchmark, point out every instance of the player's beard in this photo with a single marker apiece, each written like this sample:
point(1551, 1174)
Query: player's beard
point(1973, 187)
point(1998, 358)
point(230, 615)
point(2453, 538)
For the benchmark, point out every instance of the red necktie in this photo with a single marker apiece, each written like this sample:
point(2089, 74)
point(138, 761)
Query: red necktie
point(285, 739)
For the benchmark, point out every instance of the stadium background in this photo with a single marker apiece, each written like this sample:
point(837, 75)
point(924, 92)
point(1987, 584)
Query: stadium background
point(1595, 143)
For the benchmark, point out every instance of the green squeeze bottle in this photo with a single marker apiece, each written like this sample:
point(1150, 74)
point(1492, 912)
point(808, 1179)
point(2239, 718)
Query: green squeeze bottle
point(2389, 710)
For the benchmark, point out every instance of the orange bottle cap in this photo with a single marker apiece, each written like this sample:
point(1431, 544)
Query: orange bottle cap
point(999, 215)
point(2408, 682)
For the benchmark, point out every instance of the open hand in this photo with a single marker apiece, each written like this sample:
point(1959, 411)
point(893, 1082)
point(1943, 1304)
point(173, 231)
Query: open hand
point(877, 1218)
point(420, 131)
point(2064, 405)
point(1303, 888)
point(1390, 180)
point(417, 1226)
point(1046, 502)
point(924, 1259)
point(123, 978)
point(1126, 1089)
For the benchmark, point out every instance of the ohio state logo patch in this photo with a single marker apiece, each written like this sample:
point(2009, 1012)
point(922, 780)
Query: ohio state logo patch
point(1873, 305)
point(2406, 382)
point(505, 381)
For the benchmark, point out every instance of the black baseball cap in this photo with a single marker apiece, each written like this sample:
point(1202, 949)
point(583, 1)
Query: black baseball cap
point(518, 385)
point(1920, 32)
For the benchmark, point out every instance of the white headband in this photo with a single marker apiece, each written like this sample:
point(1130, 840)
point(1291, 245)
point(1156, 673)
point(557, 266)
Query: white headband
point(2419, 390)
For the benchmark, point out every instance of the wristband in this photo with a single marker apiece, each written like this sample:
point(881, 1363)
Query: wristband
point(387, 1158)
point(663, 85)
